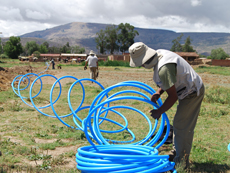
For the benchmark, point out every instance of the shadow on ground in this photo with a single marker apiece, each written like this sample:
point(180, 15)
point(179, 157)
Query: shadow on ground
point(209, 167)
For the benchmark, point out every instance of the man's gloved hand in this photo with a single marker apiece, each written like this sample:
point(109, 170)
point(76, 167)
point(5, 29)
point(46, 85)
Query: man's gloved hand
point(85, 68)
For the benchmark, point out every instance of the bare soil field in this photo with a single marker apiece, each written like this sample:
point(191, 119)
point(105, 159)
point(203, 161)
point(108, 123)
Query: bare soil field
point(107, 75)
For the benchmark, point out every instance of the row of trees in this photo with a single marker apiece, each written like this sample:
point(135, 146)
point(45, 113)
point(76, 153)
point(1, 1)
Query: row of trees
point(112, 39)
point(218, 53)
point(115, 38)
point(13, 48)
point(32, 46)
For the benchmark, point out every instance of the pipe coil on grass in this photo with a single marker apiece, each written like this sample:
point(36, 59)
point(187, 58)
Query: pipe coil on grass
point(106, 155)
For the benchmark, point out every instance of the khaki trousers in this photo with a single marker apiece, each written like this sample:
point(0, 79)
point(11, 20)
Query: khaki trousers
point(184, 124)
point(92, 72)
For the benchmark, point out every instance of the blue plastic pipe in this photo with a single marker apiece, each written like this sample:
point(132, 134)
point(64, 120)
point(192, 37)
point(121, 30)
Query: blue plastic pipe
point(108, 155)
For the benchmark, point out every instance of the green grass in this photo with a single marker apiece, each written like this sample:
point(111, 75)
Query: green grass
point(26, 136)
point(214, 70)
point(16, 62)
point(113, 63)
point(216, 94)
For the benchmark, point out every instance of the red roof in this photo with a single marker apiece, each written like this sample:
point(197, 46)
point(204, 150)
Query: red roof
point(187, 54)
point(50, 55)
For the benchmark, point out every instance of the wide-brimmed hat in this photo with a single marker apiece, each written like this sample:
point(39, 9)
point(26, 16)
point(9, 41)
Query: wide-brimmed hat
point(91, 52)
point(140, 54)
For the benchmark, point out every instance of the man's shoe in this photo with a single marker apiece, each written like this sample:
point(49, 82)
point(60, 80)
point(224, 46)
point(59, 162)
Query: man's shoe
point(172, 155)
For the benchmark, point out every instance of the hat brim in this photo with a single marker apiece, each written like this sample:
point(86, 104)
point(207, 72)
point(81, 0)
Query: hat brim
point(140, 60)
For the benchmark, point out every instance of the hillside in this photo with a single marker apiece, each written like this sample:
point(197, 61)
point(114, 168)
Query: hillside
point(83, 34)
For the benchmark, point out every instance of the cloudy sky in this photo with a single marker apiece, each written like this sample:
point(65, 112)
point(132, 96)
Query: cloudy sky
point(18, 17)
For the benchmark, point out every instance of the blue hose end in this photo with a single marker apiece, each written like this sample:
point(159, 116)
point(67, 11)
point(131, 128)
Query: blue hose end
point(229, 147)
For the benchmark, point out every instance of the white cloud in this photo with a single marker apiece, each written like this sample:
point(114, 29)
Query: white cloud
point(176, 15)
point(37, 15)
point(196, 2)
point(9, 13)
point(9, 28)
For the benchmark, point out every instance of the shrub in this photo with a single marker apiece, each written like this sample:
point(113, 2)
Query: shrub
point(4, 56)
point(113, 63)
point(218, 54)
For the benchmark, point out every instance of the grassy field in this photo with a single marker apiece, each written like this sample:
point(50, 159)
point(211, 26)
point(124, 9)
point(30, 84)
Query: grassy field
point(32, 142)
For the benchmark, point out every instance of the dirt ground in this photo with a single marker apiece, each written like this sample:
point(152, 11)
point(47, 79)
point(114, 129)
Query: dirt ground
point(8, 74)
point(107, 75)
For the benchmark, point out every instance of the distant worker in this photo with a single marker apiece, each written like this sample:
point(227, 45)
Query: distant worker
point(92, 61)
point(53, 63)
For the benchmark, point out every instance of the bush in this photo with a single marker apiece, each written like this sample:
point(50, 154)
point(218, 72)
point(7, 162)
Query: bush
point(218, 54)
point(4, 56)
point(113, 63)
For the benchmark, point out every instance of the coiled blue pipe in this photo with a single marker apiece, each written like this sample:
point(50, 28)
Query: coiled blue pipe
point(109, 155)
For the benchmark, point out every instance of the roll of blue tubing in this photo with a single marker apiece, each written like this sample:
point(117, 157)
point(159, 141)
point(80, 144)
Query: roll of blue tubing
point(31, 97)
point(139, 156)
point(103, 143)
point(122, 158)
point(28, 78)
point(100, 95)
point(16, 89)
point(19, 89)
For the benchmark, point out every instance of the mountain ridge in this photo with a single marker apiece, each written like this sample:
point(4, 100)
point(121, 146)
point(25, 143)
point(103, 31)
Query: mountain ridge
point(83, 34)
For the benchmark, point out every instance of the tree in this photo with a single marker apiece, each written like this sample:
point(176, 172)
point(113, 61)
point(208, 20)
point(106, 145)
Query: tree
point(43, 49)
point(31, 47)
point(64, 49)
point(13, 47)
point(111, 39)
point(101, 41)
point(218, 54)
point(176, 47)
point(46, 44)
point(67, 44)
point(1, 46)
point(78, 49)
point(36, 54)
point(82, 50)
point(126, 36)
point(54, 49)
point(187, 46)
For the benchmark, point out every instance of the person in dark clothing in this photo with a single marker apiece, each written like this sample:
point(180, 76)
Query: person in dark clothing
point(53, 63)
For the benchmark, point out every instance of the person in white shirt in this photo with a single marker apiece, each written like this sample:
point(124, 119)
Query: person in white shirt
point(175, 76)
point(92, 62)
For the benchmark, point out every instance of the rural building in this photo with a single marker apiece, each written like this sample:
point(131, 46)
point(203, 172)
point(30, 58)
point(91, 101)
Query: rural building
point(48, 57)
point(44, 57)
point(188, 56)
point(73, 57)
point(102, 57)
point(58, 57)
point(23, 58)
point(191, 57)
point(123, 57)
